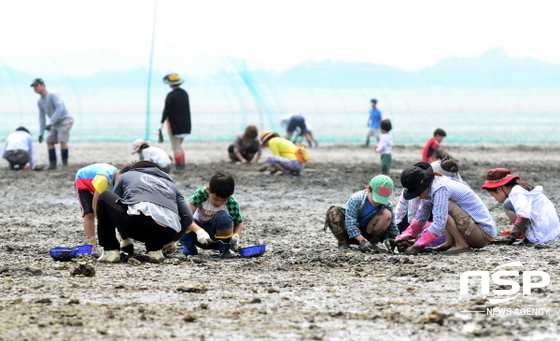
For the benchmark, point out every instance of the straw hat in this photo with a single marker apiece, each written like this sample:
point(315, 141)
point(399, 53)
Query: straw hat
point(267, 135)
point(173, 79)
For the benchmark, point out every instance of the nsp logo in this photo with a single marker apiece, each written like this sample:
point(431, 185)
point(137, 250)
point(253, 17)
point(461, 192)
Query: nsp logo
point(498, 278)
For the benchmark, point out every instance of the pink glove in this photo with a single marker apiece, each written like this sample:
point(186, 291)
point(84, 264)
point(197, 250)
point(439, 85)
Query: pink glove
point(426, 239)
point(411, 231)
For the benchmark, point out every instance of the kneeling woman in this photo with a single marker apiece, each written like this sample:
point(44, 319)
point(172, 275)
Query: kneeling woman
point(458, 212)
point(146, 206)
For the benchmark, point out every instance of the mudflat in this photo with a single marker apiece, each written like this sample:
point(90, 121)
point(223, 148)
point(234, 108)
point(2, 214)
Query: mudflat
point(302, 288)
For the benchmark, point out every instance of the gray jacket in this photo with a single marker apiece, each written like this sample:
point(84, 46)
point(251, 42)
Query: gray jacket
point(154, 186)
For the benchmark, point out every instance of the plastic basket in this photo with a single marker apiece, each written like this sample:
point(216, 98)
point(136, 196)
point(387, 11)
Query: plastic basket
point(84, 250)
point(252, 251)
point(63, 253)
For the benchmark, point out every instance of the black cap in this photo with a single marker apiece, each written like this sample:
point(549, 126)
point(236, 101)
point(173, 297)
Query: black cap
point(373, 101)
point(37, 81)
point(416, 179)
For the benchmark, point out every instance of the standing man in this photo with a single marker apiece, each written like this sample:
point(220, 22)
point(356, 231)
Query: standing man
point(177, 112)
point(60, 122)
point(373, 122)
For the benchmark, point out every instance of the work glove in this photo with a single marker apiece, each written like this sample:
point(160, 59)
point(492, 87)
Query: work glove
point(160, 134)
point(203, 237)
point(402, 245)
point(415, 249)
point(40, 138)
point(235, 240)
point(426, 239)
point(365, 246)
point(411, 231)
point(48, 127)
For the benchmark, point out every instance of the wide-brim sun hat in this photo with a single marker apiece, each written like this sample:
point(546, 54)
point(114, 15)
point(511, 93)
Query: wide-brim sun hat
point(267, 135)
point(381, 188)
point(416, 179)
point(173, 79)
point(498, 177)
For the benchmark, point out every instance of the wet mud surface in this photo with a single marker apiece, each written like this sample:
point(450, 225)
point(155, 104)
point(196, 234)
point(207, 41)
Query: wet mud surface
point(302, 288)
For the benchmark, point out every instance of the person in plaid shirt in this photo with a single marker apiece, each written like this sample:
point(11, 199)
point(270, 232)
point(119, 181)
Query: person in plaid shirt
point(216, 217)
point(367, 218)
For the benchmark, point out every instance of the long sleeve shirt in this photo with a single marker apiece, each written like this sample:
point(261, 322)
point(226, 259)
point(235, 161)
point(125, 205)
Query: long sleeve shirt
point(281, 147)
point(52, 106)
point(444, 189)
point(385, 145)
point(355, 205)
point(20, 140)
point(406, 208)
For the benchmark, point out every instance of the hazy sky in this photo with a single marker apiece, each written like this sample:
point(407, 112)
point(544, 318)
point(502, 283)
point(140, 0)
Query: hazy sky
point(82, 37)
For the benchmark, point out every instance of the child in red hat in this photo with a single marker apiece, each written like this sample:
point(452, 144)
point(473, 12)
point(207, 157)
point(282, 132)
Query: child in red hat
point(530, 211)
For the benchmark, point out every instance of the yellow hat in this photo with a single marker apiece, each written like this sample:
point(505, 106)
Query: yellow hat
point(173, 79)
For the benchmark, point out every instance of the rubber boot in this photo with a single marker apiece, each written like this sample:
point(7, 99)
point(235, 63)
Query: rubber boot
point(64, 157)
point(225, 246)
point(52, 159)
point(188, 244)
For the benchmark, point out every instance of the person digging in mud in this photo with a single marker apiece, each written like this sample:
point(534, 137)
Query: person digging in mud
point(458, 212)
point(18, 150)
point(284, 156)
point(89, 183)
point(532, 214)
point(154, 154)
point(146, 205)
point(432, 150)
point(367, 218)
point(217, 221)
point(246, 146)
point(406, 210)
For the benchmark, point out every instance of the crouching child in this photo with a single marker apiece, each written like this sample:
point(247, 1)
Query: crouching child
point(217, 221)
point(367, 218)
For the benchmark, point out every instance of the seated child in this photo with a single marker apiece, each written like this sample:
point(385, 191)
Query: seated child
point(367, 218)
point(530, 211)
point(216, 216)
point(154, 154)
point(432, 150)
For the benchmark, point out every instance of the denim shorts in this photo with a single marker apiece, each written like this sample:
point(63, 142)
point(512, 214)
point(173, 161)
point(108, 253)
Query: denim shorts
point(508, 206)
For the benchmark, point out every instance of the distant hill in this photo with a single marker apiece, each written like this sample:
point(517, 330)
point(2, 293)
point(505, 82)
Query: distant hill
point(493, 69)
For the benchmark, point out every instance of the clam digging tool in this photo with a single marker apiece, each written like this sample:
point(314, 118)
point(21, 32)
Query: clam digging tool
point(390, 245)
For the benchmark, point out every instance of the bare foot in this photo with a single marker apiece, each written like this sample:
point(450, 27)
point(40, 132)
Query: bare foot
point(458, 247)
